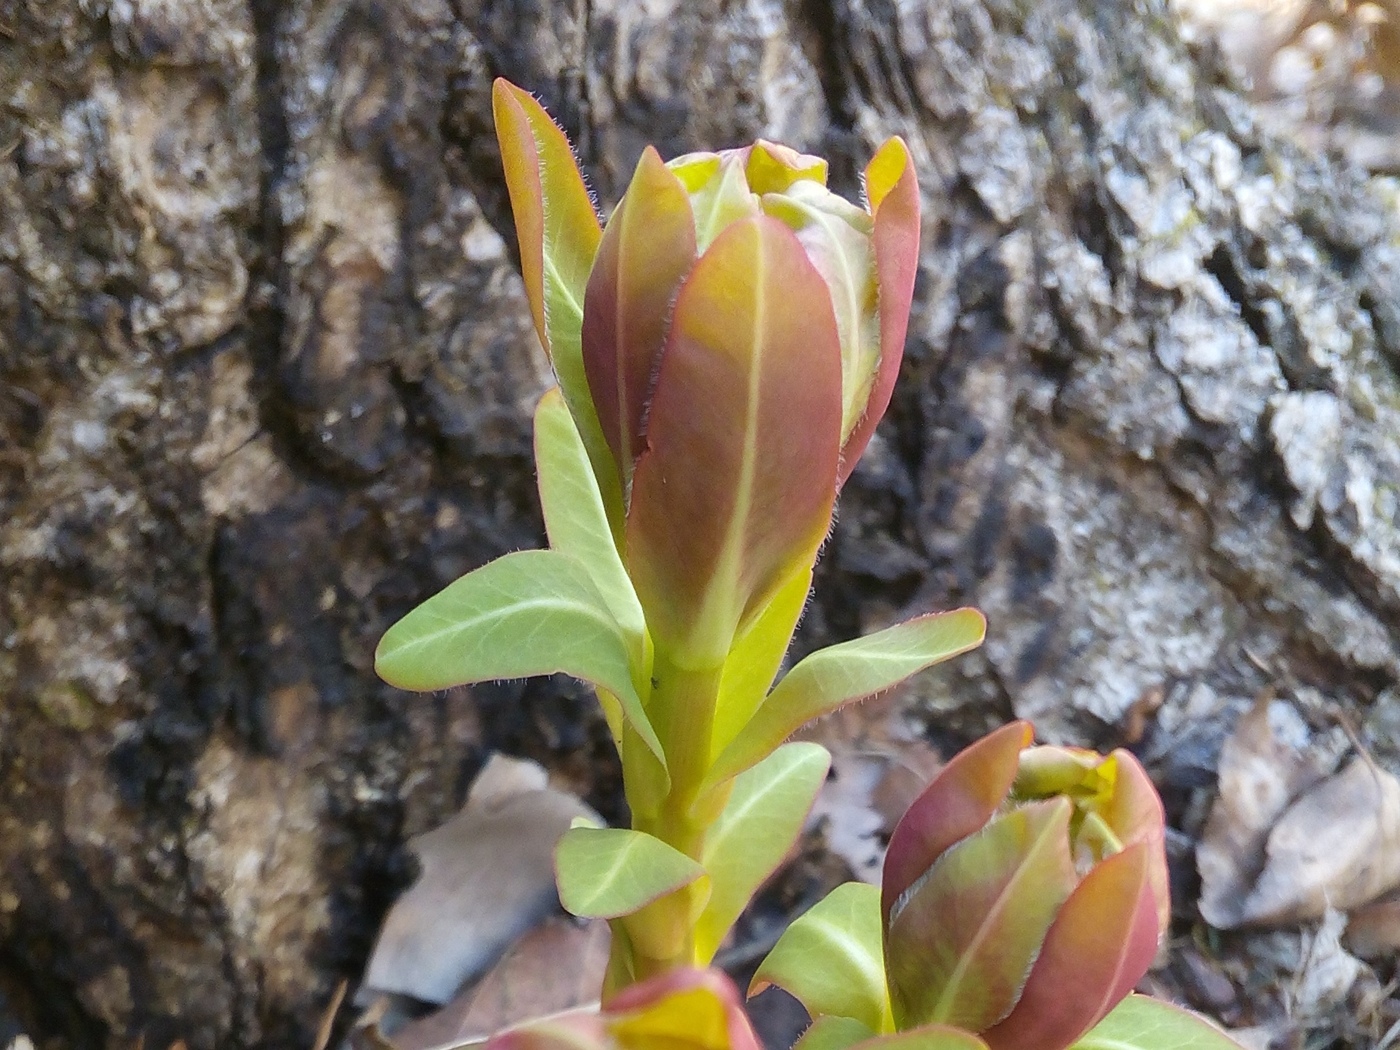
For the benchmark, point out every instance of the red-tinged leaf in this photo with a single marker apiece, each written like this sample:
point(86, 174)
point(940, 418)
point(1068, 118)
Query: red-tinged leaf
point(1135, 814)
point(959, 948)
point(925, 1037)
point(735, 489)
point(698, 1009)
point(647, 248)
point(892, 188)
point(559, 234)
point(957, 803)
point(1102, 942)
point(554, 217)
point(576, 1030)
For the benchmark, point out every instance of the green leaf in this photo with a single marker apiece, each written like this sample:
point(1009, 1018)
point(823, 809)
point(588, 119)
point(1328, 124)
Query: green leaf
point(605, 873)
point(926, 1037)
point(753, 662)
point(830, 959)
point(1140, 1022)
point(529, 613)
point(833, 1033)
point(755, 832)
point(840, 674)
point(559, 234)
point(577, 522)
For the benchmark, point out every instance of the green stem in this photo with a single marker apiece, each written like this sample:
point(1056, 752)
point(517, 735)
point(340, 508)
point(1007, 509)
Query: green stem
point(682, 709)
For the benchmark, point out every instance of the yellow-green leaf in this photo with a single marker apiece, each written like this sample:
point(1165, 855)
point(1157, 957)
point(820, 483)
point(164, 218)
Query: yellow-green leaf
point(755, 832)
point(529, 613)
point(1140, 1022)
point(830, 959)
point(840, 674)
point(559, 234)
point(605, 873)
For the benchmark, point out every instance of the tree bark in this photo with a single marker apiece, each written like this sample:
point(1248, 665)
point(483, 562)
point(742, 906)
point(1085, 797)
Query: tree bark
point(266, 373)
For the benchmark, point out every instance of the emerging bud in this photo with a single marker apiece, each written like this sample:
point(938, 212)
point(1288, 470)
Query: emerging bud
point(1025, 892)
point(736, 281)
point(680, 1010)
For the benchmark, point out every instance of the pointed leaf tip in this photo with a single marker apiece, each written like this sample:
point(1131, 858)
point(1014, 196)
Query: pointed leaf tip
point(841, 674)
point(647, 249)
point(829, 959)
point(556, 256)
point(892, 188)
point(959, 947)
point(958, 802)
point(605, 873)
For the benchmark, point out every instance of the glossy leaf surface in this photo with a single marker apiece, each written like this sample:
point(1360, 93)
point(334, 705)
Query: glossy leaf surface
point(735, 490)
point(647, 248)
point(528, 613)
point(961, 942)
point(829, 959)
point(608, 872)
point(1143, 1023)
point(559, 234)
point(892, 189)
point(755, 832)
point(959, 801)
point(841, 674)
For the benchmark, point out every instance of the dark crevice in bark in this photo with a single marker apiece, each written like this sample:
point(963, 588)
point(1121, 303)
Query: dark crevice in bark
point(1221, 265)
point(266, 315)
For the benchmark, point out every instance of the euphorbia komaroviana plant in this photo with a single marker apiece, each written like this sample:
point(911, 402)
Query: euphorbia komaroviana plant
point(1024, 894)
point(724, 348)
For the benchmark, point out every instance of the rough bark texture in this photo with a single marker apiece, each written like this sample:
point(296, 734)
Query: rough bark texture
point(265, 379)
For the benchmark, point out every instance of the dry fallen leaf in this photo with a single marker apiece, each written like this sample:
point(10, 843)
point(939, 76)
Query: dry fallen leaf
point(1337, 847)
point(488, 876)
point(557, 966)
point(1374, 930)
point(1264, 765)
point(879, 764)
point(1328, 970)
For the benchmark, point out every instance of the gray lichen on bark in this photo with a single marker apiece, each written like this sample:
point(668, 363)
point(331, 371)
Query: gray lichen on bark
point(267, 374)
